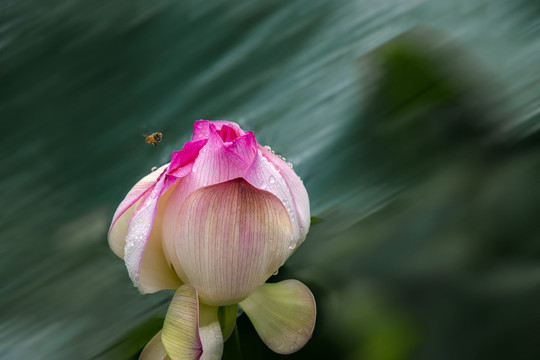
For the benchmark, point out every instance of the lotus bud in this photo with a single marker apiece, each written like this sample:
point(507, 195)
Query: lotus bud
point(215, 223)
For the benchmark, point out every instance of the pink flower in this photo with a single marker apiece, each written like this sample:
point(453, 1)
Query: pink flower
point(216, 223)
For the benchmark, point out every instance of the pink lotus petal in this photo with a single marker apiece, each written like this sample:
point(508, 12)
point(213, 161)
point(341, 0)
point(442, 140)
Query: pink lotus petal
point(202, 128)
point(227, 239)
point(263, 175)
point(227, 133)
point(245, 146)
point(217, 162)
point(283, 315)
point(119, 225)
point(182, 160)
point(191, 330)
point(139, 229)
point(297, 190)
point(155, 271)
point(142, 251)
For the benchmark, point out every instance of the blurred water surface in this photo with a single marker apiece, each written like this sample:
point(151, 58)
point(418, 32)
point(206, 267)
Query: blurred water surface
point(418, 147)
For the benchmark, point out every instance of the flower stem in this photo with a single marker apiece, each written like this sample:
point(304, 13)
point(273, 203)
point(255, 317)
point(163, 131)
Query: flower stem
point(232, 349)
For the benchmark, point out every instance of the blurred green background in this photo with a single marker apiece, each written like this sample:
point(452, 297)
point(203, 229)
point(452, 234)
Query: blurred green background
point(415, 126)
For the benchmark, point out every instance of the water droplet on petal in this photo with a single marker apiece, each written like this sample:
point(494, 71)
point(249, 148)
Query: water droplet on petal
point(154, 168)
point(272, 179)
point(292, 245)
point(267, 147)
point(290, 165)
point(275, 272)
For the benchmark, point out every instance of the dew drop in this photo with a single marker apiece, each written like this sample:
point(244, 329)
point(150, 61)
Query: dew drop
point(267, 147)
point(272, 179)
point(289, 164)
point(292, 245)
point(275, 272)
point(154, 168)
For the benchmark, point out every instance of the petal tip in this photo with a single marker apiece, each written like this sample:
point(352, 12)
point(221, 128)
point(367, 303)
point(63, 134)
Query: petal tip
point(283, 315)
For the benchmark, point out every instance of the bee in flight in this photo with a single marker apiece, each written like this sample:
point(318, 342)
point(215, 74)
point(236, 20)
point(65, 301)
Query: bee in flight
point(154, 138)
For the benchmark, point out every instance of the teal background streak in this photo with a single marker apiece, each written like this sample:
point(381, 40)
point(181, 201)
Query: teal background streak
point(419, 149)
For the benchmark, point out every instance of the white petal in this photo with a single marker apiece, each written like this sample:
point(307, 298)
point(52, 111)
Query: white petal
point(119, 224)
point(155, 272)
point(191, 330)
point(229, 238)
point(143, 253)
point(118, 231)
point(266, 176)
point(297, 189)
point(210, 333)
point(154, 350)
point(283, 315)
